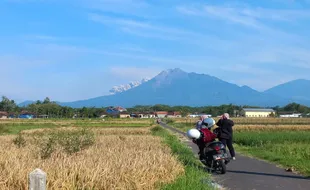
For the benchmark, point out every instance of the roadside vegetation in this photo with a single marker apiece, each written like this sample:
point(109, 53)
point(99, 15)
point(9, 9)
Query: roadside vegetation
point(286, 147)
point(91, 158)
point(195, 176)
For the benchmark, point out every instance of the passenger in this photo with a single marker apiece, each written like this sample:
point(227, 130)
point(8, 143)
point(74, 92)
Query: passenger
point(199, 122)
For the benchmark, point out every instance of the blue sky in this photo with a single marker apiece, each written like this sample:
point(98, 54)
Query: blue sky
point(78, 49)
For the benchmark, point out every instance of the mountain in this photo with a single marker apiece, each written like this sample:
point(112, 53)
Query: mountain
point(25, 103)
point(123, 88)
point(297, 90)
point(176, 87)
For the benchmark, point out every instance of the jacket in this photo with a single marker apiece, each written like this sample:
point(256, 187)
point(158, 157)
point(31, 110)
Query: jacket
point(198, 125)
point(225, 128)
point(208, 136)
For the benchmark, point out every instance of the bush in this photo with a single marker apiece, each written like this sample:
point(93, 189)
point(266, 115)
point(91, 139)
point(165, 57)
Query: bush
point(19, 141)
point(76, 141)
point(169, 120)
point(47, 147)
point(3, 129)
point(70, 142)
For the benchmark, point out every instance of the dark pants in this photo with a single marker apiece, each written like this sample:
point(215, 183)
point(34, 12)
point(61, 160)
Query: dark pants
point(228, 143)
point(201, 147)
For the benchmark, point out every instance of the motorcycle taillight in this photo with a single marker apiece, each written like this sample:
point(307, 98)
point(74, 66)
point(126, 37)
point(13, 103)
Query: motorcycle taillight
point(217, 148)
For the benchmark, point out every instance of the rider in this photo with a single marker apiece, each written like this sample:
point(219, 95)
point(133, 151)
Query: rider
point(203, 136)
point(199, 122)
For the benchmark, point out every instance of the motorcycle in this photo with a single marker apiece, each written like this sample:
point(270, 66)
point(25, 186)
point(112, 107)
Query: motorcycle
point(215, 156)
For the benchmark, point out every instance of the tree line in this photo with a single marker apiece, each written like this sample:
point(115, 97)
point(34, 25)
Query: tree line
point(53, 110)
point(49, 108)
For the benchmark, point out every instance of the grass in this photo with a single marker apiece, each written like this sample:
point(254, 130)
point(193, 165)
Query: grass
point(183, 126)
point(270, 127)
point(304, 127)
point(255, 121)
point(115, 160)
point(288, 148)
point(194, 174)
point(14, 127)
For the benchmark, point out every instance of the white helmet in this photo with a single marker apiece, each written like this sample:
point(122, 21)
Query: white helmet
point(208, 123)
point(193, 134)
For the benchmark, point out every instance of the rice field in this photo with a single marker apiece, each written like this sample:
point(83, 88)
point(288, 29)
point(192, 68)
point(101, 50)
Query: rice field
point(14, 126)
point(289, 148)
point(75, 121)
point(116, 158)
point(256, 121)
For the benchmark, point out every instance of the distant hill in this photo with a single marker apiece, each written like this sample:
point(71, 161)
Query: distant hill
point(297, 90)
point(25, 103)
point(176, 87)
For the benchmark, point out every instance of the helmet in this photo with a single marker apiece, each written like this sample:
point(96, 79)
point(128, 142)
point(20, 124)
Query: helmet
point(193, 134)
point(208, 122)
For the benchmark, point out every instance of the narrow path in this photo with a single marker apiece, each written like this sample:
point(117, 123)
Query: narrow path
point(247, 173)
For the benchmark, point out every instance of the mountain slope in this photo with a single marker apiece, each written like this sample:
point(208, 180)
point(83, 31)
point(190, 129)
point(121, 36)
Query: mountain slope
point(25, 103)
point(297, 90)
point(176, 87)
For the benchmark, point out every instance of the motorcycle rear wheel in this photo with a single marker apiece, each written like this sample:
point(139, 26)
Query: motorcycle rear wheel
point(222, 166)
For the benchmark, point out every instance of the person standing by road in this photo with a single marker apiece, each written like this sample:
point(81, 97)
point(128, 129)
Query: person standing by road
point(225, 133)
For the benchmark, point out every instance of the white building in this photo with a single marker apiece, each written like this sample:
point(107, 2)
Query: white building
point(198, 115)
point(291, 115)
point(257, 112)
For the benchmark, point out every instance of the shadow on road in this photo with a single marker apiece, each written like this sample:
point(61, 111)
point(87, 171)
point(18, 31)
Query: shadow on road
point(267, 174)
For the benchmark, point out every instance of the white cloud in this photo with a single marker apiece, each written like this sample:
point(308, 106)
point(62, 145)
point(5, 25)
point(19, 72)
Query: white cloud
point(247, 16)
point(246, 69)
point(41, 37)
point(130, 23)
point(297, 57)
point(149, 29)
point(132, 48)
point(12, 61)
point(138, 8)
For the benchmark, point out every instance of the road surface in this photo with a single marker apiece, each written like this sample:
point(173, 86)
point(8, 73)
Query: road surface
point(246, 173)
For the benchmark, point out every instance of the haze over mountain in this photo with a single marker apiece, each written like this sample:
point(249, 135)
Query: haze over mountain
point(176, 87)
point(297, 90)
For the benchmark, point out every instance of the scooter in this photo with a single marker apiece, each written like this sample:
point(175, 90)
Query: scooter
point(215, 156)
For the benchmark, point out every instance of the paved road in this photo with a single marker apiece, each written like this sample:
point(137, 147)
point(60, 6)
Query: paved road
point(251, 174)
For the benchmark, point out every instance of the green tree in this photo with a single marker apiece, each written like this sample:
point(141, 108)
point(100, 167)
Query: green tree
point(46, 100)
point(7, 105)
